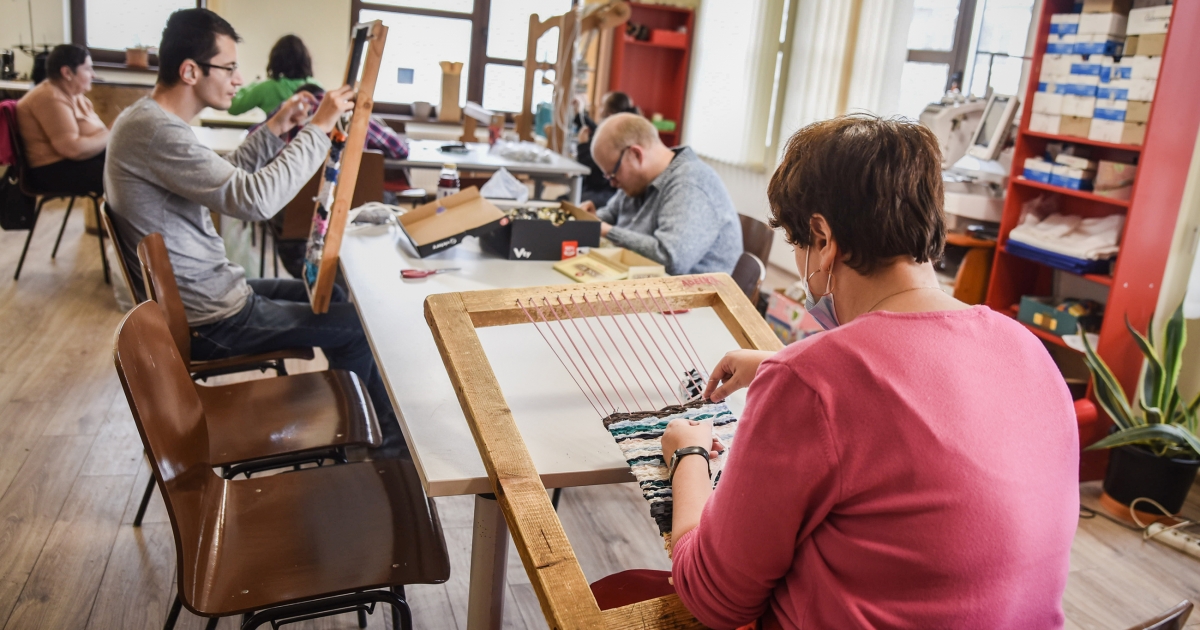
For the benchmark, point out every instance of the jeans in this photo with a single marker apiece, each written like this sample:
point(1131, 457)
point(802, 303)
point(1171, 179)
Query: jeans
point(278, 316)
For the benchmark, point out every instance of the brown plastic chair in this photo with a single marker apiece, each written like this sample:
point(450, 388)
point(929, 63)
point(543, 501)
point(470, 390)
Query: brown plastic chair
point(757, 237)
point(1173, 619)
point(159, 277)
point(138, 293)
point(749, 274)
point(297, 545)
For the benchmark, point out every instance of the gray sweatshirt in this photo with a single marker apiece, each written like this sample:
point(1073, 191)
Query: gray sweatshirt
point(158, 177)
point(684, 219)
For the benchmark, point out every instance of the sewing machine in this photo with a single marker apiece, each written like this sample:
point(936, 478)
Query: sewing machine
point(972, 136)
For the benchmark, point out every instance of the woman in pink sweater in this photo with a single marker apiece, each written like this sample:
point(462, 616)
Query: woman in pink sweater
point(915, 466)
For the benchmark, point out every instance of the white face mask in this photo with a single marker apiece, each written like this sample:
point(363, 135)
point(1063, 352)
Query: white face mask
point(821, 308)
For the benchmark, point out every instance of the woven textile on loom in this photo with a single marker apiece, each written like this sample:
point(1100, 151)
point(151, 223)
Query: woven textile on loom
point(638, 436)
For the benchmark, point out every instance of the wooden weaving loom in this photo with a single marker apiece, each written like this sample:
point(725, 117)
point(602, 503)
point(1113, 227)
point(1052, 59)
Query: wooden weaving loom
point(549, 560)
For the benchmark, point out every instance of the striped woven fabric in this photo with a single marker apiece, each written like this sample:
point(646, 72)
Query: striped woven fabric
point(638, 437)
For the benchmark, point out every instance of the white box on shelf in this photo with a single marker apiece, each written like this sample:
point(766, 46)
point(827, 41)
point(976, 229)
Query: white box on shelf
point(1141, 89)
point(1106, 130)
point(1064, 23)
point(1044, 123)
point(1144, 67)
point(1074, 161)
point(1081, 106)
point(1101, 24)
point(1149, 20)
point(1047, 103)
point(1060, 44)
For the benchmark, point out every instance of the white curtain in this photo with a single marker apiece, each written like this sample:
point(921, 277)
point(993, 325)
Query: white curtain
point(729, 99)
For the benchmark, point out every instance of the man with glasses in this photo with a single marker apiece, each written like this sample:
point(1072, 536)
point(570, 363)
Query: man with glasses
point(160, 178)
point(670, 206)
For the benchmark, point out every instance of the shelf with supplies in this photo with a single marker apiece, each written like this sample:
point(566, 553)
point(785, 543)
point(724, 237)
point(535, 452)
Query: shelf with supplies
point(1081, 194)
point(636, 42)
point(1133, 148)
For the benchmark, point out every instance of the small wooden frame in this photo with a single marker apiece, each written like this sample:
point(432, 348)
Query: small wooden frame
point(549, 560)
point(334, 223)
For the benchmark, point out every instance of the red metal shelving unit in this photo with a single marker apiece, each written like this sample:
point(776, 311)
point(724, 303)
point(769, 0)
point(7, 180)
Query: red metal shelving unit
point(1151, 213)
point(655, 75)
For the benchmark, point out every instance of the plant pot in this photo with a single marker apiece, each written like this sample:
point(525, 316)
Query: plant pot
point(1134, 471)
point(137, 57)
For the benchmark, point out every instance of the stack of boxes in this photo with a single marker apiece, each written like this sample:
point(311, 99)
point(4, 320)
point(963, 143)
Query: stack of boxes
point(1066, 171)
point(1100, 70)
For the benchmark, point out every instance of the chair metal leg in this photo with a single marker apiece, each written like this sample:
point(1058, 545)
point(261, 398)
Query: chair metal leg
point(137, 520)
point(262, 252)
point(37, 212)
point(555, 497)
point(362, 618)
point(174, 614)
point(100, 236)
point(63, 228)
point(401, 616)
point(212, 623)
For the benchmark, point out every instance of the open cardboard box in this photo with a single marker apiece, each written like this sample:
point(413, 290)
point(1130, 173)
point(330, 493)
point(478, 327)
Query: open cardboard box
point(444, 223)
point(539, 239)
point(610, 263)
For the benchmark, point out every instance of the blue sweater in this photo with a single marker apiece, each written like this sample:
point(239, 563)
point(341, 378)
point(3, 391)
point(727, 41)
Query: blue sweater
point(684, 219)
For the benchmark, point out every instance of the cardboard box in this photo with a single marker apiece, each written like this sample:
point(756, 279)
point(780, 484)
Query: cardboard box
point(1102, 24)
point(1152, 44)
point(1044, 123)
point(1113, 175)
point(609, 263)
point(540, 239)
point(1047, 103)
point(1137, 111)
point(788, 318)
point(1078, 106)
point(1148, 20)
point(1131, 45)
point(1073, 178)
point(1117, 132)
point(1107, 6)
point(1064, 24)
point(1141, 89)
point(1074, 161)
point(1142, 67)
point(1074, 126)
point(1038, 170)
point(442, 224)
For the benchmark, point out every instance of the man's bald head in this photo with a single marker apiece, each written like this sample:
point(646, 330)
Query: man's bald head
point(626, 147)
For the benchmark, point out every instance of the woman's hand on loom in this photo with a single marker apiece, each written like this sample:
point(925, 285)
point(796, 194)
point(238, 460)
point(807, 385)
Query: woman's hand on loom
point(681, 432)
point(335, 103)
point(735, 371)
point(293, 112)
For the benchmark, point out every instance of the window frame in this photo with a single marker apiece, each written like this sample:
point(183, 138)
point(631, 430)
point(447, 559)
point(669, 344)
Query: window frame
point(478, 57)
point(106, 57)
point(956, 57)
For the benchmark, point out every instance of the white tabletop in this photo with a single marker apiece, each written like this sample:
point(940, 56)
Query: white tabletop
point(427, 154)
point(18, 86)
point(210, 117)
point(563, 432)
point(220, 140)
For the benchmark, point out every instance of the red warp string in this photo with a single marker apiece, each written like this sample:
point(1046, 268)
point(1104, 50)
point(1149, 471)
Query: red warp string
point(556, 355)
point(694, 353)
point(588, 345)
point(637, 356)
point(669, 381)
point(615, 347)
point(699, 364)
point(686, 371)
point(581, 355)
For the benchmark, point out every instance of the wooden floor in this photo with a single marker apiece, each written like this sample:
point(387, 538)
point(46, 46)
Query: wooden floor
point(71, 474)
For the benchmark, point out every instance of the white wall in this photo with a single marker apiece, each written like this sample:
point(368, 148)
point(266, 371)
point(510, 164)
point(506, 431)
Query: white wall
point(51, 25)
point(324, 25)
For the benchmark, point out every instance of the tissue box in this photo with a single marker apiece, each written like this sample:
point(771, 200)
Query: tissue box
point(1098, 44)
point(1141, 67)
point(1113, 175)
point(1107, 6)
point(1064, 24)
point(1044, 123)
point(1137, 111)
point(1151, 44)
point(1074, 161)
point(1037, 170)
point(1080, 106)
point(1102, 24)
point(1060, 44)
point(1117, 132)
point(1074, 126)
point(1141, 89)
point(1148, 20)
point(1073, 178)
point(1110, 109)
point(1047, 103)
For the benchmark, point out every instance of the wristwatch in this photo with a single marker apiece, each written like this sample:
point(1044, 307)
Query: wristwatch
point(684, 452)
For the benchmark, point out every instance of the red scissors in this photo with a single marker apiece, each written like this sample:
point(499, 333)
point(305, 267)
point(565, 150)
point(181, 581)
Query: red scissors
point(413, 274)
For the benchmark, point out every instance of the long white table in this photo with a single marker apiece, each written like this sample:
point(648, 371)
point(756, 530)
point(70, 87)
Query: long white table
point(428, 154)
point(563, 432)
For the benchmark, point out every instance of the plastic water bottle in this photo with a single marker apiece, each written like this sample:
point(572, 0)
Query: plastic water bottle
point(448, 183)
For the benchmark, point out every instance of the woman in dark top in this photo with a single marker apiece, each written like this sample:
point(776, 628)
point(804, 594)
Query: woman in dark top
point(596, 188)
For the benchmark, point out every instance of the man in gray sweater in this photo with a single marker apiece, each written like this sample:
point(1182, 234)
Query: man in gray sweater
point(160, 178)
point(670, 206)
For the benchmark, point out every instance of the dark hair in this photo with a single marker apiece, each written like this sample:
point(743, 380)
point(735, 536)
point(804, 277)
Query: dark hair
point(190, 34)
point(289, 59)
point(65, 56)
point(618, 103)
point(878, 183)
point(312, 88)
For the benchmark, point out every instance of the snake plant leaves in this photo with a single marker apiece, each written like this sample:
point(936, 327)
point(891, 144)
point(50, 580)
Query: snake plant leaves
point(1107, 389)
point(1150, 398)
point(1176, 339)
point(1169, 433)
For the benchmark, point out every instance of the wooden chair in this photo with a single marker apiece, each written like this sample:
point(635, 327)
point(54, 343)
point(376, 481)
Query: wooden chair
point(1173, 619)
point(757, 238)
point(46, 195)
point(554, 572)
point(137, 290)
point(277, 548)
point(749, 274)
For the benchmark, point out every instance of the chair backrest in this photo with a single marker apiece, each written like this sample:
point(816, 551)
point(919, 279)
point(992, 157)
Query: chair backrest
point(1173, 619)
point(159, 277)
point(138, 293)
point(298, 213)
point(170, 419)
point(749, 274)
point(8, 129)
point(757, 237)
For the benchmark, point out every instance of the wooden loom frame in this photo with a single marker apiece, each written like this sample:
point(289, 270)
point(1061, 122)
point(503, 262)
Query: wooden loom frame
point(320, 293)
point(549, 560)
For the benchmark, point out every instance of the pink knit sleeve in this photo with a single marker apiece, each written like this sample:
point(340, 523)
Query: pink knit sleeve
point(778, 485)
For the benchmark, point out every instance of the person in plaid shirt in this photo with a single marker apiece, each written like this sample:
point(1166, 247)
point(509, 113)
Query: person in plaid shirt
point(380, 137)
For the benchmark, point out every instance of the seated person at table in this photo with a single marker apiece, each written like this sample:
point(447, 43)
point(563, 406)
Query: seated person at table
point(380, 137)
point(670, 206)
point(916, 465)
point(289, 65)
point(160, 178)
point(64, 138)
point(596, 188)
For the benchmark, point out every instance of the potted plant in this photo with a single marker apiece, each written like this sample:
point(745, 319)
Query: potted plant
point(137, 56)
point(1155, 450)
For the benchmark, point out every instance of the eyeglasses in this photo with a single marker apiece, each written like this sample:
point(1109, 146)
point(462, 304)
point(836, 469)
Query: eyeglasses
point(231, 68)
point(617, 167)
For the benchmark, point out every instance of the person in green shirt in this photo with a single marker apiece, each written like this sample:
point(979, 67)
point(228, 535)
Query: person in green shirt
point(288, 67)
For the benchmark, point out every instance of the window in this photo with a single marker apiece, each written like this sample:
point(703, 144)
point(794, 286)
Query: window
point(487, 36)
point(998, 46)
point(108, 27)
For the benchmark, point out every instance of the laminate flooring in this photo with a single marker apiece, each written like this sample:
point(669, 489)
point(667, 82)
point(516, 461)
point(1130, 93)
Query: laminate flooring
point(71, 476)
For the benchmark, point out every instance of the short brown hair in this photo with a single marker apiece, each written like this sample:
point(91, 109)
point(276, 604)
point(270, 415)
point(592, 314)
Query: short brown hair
point(877, 182)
